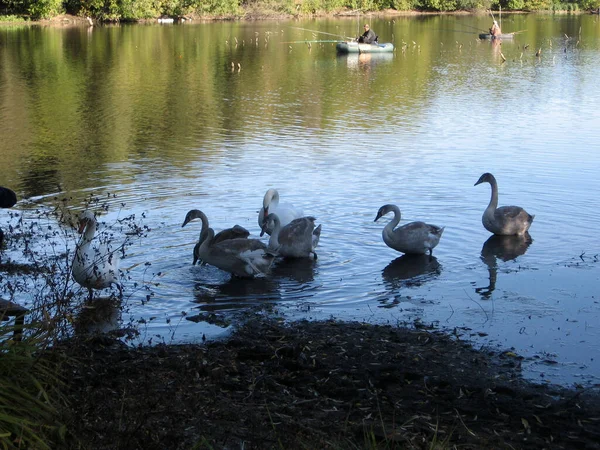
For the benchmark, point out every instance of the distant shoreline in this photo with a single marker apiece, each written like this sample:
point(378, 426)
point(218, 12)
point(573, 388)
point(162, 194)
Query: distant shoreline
point(69, 20)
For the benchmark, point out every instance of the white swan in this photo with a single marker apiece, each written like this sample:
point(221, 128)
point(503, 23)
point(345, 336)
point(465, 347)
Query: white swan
point(94, 267)
point(506, 220)
point(236, 232)
point(298, 239)
point(285, 212)
point(241, 257)
point(413, 238)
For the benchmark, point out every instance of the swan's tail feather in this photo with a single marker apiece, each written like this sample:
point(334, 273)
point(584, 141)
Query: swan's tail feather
point(316, 236)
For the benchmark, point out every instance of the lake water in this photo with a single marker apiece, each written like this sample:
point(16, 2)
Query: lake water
point(211, 115)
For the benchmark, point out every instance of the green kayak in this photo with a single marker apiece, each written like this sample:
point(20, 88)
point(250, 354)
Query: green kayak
point(355, 47)
point(502, 36)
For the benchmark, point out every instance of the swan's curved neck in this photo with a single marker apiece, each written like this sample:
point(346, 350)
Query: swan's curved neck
point(205, 244)
point(204, 229)
point(389, 228)
point(88, 234)
point(494, 199)
point(274, 239)
point(271, 200)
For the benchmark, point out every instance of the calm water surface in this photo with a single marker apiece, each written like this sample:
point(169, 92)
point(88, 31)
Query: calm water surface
point(159, 116)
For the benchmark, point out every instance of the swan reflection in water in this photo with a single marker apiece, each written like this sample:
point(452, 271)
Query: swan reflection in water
point(504, 248)
point(98, 316)
point(235, 293)
point(301, 270)
point(411, 270)
point(365, 61)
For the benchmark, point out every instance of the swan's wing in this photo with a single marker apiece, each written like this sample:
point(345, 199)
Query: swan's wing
point(512, 219)
point(412, 229)
point(509, 213)
point(297, 230)
point(236, 232)
point(96, 267)
point(416, 237)
point(256, 261)
point(236, 246)
point(102, 256)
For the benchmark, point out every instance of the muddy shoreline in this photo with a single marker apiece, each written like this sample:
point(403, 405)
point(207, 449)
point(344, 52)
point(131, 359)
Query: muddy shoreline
point(317, 385)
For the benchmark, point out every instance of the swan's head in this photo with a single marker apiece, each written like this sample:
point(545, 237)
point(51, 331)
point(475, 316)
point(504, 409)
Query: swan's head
point(191, 215)
point(383, 211)
point(86, 218)
point(270, 222)
point(486, 178)
point(271, 196)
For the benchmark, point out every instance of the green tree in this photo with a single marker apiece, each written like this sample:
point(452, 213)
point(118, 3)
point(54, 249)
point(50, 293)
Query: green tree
point(440, 5)
point(44, 9)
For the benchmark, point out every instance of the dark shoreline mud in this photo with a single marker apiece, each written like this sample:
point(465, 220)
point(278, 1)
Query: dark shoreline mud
point(317, 385)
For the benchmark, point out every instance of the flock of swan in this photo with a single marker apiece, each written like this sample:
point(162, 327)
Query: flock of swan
point(291, 235)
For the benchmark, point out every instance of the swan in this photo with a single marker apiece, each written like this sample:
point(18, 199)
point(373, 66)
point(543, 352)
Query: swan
point(94, 267)
point(241, 257)
point(8, 198)
point(298, 239)
point(506, 220)
point(236, 232)
point(417, 238)
point(285, 212)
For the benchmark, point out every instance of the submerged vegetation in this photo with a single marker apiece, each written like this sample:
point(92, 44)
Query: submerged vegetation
point(138, 10)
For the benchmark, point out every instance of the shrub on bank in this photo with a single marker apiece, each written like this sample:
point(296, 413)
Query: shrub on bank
point(135, 10)
point(36, 273)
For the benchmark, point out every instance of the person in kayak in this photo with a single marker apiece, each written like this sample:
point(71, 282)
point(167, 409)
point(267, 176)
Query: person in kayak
point(495, 30)
point(369, 36)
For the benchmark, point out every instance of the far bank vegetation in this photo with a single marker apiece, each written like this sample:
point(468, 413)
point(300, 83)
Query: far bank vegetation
point(140, 10)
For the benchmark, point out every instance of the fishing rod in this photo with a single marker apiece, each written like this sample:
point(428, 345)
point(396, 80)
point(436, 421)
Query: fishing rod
point(475, 28)
point(460, 31)
point(323, 32)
